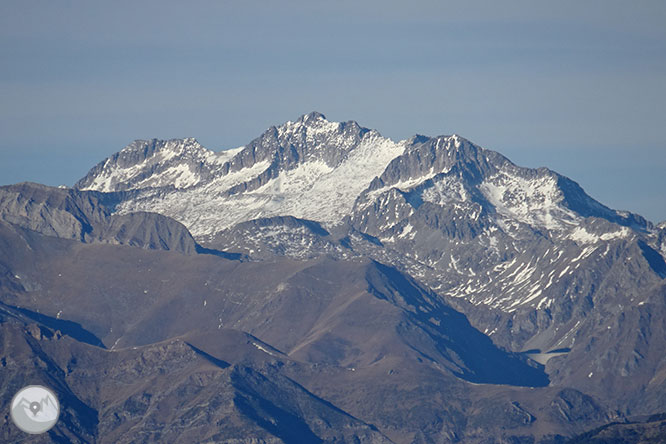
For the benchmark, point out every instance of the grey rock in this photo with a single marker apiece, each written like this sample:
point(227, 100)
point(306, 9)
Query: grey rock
point(89, 216)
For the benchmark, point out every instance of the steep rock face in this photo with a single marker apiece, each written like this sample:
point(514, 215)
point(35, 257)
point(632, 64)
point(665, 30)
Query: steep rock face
point(51, 211)
point(175, 163)
point(87, 217)
point(311, 139)
point(451, 172)
point(428, 156)
point(476, 227)
point(660, 238)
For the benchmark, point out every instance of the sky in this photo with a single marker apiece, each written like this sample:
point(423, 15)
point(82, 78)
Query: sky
point(579, 87)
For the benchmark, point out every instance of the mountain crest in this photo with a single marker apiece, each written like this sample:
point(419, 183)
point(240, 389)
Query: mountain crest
point(312, 168)
point(312, 116)
point(154, 163)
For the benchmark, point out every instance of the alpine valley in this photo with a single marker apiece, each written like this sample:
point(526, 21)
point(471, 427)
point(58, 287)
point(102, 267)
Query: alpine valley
point(324, 283)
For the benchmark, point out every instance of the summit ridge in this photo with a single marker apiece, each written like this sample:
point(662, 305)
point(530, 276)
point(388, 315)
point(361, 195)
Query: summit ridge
point(316, 169)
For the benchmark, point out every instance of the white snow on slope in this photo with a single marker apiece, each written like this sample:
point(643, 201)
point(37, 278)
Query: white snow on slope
point(582, 236)
point(312, 190)
point(263, 349)
point(317, 127)
point(179, 175)
point(446, 191)
point(532, 201)
point(205, 209)
point(318, 192)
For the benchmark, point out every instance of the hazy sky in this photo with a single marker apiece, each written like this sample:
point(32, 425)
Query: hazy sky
point(577, 86)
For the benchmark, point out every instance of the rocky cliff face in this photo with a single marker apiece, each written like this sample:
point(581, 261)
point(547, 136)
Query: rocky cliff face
point(177, 163)
point(88, 217)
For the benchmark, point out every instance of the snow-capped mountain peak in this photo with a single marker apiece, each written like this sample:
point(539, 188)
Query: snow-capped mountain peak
point(312, 168)
point(178, 163)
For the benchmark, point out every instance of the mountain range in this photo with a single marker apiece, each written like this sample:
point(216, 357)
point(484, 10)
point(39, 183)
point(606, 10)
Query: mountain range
point(324, 283)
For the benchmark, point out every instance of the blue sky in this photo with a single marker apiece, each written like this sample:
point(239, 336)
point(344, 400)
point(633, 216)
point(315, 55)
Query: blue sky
point(579, 87)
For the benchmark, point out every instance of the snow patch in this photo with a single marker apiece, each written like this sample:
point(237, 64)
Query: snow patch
point(535, 201)
point(582, 236)
point(263, 349)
